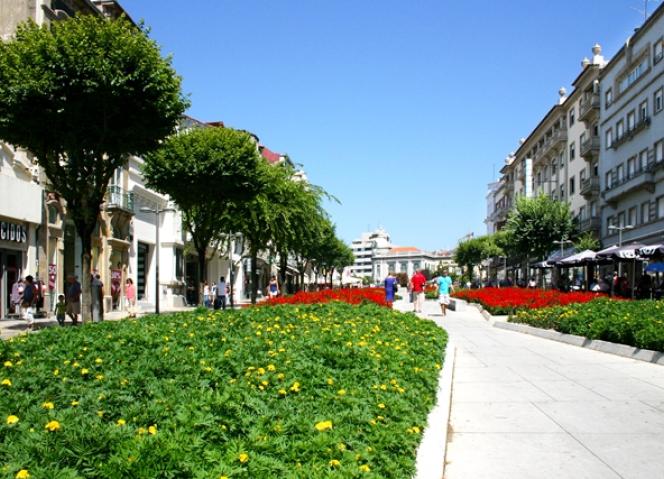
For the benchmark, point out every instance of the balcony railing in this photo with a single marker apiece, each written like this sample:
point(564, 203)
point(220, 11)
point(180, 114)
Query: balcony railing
point(589, 187)
point(590, 223)
point(640, 180)
point(589, 107)
point(554, 142)
point(642, 124)
point(590, 148)
point(119, 198)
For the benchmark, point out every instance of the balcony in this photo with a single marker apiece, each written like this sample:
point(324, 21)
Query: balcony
point(641, 180)
point(119, 199)
point(555, 142)
point(589, 107)
point(642, 124)
point(591, 223)
point(590, 148)
point(589, 187)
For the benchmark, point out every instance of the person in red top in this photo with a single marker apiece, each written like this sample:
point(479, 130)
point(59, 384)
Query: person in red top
point(417, 287)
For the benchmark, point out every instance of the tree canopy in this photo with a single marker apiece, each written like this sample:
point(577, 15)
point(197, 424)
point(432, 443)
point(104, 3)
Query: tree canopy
point(535, 223)
point(82, 95)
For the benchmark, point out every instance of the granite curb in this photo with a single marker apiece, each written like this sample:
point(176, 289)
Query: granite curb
point(647, 355)
point(430, 461)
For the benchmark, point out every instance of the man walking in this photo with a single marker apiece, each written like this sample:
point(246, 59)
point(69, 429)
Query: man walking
point(220, 299)
point(417, 283)
point(444, 286)
point(73, 298)
point(28, 300)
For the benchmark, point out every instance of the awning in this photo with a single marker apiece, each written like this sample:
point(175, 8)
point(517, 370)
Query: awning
point(578, 259)
point(557, 255)
point(620, 253)
point(541, 265)
point(652, 250)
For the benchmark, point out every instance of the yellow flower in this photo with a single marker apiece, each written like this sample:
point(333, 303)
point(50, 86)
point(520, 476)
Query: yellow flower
point(84, 371)
point(22, 474)
point(11, 419)
point(99, 361)
point(330, 381)
point(99, 377)
point(282, 392)
point(6, 382)
point(223, 477)
point(48, 405)
point(100, 413)
point(271, 367)
point(341, 392)
point(381, 406)
point(365, 468)
point(52, 426)
point(152, 430)
point(56, 372)
point(295, 387)
point(141, 430)
point(74, 403)
point(334, 463)
point(243, 457)
point(323, 426)
point(121, 422)
point(8, 364)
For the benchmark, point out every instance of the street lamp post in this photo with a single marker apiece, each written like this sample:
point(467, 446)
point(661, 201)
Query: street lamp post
point(157, 211)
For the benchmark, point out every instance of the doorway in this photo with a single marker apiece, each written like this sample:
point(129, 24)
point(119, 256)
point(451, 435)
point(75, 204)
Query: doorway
point(10, 272)
point(141, 270)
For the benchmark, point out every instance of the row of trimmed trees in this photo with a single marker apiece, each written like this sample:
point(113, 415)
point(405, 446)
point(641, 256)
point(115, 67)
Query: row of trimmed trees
point(533, 227)
point(83, 111)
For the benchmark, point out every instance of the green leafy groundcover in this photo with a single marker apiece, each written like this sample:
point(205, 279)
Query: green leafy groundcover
point(636, 323)
point(314, 391)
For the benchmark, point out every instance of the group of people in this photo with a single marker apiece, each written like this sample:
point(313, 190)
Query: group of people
point(215, 295)
point(416, 285)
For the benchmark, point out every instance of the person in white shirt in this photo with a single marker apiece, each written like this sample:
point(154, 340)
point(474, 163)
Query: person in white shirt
point(220, 299)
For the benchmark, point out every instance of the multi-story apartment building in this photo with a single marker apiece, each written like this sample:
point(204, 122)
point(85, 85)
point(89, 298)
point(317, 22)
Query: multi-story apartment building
point(365, 248)
point(631, 129)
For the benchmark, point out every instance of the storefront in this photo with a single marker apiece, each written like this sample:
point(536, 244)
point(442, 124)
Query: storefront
point(13, 258)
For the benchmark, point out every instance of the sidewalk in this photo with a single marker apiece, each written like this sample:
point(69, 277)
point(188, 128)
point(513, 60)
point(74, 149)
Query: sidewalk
point(526, 407)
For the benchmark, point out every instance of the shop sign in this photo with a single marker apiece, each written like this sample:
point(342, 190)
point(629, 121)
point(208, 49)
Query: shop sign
point(52, 271)
point(13, 232)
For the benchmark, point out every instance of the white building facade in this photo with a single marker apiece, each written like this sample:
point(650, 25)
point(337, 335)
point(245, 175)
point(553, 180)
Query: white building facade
point(365, 248)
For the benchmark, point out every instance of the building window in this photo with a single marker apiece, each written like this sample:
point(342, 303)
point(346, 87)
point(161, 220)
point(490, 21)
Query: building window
point(609, 222)
point(658, 51)
point(631, 167)
point(643, 110)
point(571, 186)
point(52, 215)
point(562, 192)
point(620, 129)
point(608, 98)
point(596, 168)
point(643, 159)
point(582, 176)
point(562, 161)
point(593, 209)
point(608, 137)
point(621, 219)
point(631, 216)
point(620, 173)
point(660, 207)
point(659, 151)
point(645, 212)
point(571, 116)
point(582, 213)
point(572, 151)
point(633, 75)
point(657, 98)
point(179, 263)
point(608, 180)
point(553, 169)
point(631, 120)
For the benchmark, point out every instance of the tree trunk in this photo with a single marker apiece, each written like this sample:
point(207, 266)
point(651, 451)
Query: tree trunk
point(202, 272)
point(283, 264)
point(86, 257)
point(254, 276)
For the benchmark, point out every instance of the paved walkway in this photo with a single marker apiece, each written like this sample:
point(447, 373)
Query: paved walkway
point(527, 407)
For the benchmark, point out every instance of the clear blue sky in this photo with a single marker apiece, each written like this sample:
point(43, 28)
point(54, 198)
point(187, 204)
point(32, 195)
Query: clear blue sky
point(401, 109)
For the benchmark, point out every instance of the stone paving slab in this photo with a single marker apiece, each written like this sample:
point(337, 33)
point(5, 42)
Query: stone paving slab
point(528, 407)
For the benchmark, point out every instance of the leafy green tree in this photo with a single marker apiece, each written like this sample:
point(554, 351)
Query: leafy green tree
point(586, 241)
point(201, 170)
point(82, 95)
point(535, 223)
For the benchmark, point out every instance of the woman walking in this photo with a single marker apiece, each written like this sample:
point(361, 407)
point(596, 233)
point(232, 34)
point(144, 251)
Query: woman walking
point(130, 294)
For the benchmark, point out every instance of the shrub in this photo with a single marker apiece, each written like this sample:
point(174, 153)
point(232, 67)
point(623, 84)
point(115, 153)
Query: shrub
point(350, 296)
point(635, 323)
point(309, 391)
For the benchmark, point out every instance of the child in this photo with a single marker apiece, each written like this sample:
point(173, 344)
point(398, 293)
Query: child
point(61, 310)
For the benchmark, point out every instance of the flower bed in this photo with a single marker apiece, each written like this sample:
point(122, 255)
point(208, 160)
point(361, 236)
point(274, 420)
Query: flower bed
point(508, 300)
point(349, 295)
point(635, 323)
point(290, 391)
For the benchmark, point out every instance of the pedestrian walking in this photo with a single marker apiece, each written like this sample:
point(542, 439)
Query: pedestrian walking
point(61, 310)
point(273, 288)
point(207, 298)
point(28, 300)
point(220, 298)
point(444, 285)
point(417, 286)
point(391, 285)
point(17, 293)
point(130, 294)
point(73, 298)
point(97, 298)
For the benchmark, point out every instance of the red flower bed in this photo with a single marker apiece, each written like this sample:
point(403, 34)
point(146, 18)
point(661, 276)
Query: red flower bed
point(351, 296)
point(507, 300)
